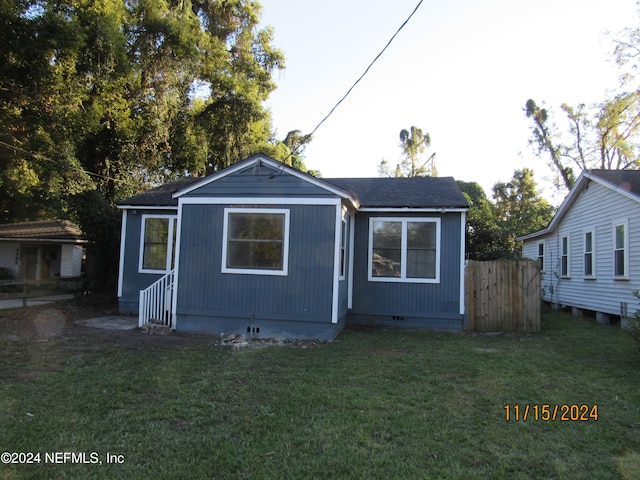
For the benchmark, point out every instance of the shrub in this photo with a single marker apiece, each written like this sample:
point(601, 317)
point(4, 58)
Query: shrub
point(5, 274)
point(634, 321)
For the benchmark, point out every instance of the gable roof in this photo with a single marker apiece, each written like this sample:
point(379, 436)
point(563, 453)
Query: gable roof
point(418, 192)
point(46, 230)
point(161, 196)
point(623, 182)
point(262, 161)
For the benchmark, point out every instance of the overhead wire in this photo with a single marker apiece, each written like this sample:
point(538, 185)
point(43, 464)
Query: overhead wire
point(293, 151)
point(368, 68)
point(39, 156)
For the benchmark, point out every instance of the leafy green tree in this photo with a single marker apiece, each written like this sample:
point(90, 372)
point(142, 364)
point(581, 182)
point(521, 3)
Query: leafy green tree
point(110, 97)
point(118, 95)
point(483, 236)
point(413, 143)
point(290, 151)
point(519, 208)
point(545, 137)
point(605, 135)
point(100, 223)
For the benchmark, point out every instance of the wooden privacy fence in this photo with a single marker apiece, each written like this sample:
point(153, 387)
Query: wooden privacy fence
point(503, 296)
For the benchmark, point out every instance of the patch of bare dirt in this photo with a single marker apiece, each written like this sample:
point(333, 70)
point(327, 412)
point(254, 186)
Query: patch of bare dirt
point(59, 321)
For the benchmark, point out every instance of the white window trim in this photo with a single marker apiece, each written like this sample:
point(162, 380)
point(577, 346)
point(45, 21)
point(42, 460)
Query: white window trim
point(544, 254)
point(566, 274)
point(592, 231)
point(343, 245)
point(172, 225)
point(625, 224)
point(402, 278)
point(123, 237)
point(352, 229)
point(285, 246)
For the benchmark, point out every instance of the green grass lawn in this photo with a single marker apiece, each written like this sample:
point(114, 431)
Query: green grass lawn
point(374, 404)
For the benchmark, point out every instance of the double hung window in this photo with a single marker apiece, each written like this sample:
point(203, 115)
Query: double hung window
point(589, 255)
point(157, 243)
point(620, 254)
point(255, 241)
point(564, 258)
point(404, 250)
point(541, 256)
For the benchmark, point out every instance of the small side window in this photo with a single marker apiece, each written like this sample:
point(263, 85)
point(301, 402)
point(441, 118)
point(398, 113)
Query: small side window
point(157, 243)
point(541, 256)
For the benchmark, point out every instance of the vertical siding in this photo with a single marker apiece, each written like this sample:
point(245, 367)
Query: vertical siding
point(132, 281)
point(305, 294)
point(259, 182)
point(421, 300)
point(597, 208)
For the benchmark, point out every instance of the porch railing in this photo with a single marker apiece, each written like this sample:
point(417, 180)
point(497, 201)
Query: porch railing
point(156, 301)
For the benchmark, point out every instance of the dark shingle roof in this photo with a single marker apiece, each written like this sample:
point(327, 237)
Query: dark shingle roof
point(418, 192)
point(161, 196)
point(628, 180)
point(62, 230)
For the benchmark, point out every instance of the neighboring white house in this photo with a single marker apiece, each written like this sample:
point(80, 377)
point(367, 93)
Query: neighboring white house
point(42, 250)
point(590, 253)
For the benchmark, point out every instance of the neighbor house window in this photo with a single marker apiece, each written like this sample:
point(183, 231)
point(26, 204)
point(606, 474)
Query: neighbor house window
point(564, 257)
point(255, 241)
point(157, 241)
point(589, 255)
point(620, 254)
point(404, 249)
point(541, 256)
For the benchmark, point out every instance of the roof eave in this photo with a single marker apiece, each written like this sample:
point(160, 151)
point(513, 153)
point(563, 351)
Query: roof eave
point(43, 240)
point(147, 207)
point(274, 164)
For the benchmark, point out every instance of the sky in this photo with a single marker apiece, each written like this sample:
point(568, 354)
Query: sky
point(461, 70)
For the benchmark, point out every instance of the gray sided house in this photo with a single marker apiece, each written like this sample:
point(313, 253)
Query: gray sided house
point(263, 250)
point(42, 250)
point(590, 253)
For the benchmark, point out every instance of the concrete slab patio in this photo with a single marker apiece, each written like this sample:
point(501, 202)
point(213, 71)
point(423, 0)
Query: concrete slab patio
point(113, 322)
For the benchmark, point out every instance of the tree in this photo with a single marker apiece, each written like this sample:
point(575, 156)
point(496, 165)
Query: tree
point(290, 151)
point(483, 236)
point(520, 209)
point(413, 144)
point(608, 137)
point(544, 137)
point(115, 96)
point(101, 99)
point(605, 135)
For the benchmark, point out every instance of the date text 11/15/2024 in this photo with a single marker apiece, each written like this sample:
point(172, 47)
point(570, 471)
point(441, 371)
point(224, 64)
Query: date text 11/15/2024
point(551, 413)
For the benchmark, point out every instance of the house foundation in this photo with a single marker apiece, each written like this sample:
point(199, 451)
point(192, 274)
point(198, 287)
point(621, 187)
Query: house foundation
point(602, 318)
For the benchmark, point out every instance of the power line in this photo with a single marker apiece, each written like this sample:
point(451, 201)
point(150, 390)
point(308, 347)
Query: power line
point(291, 153)
point(367, 69)
point(79, 169)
